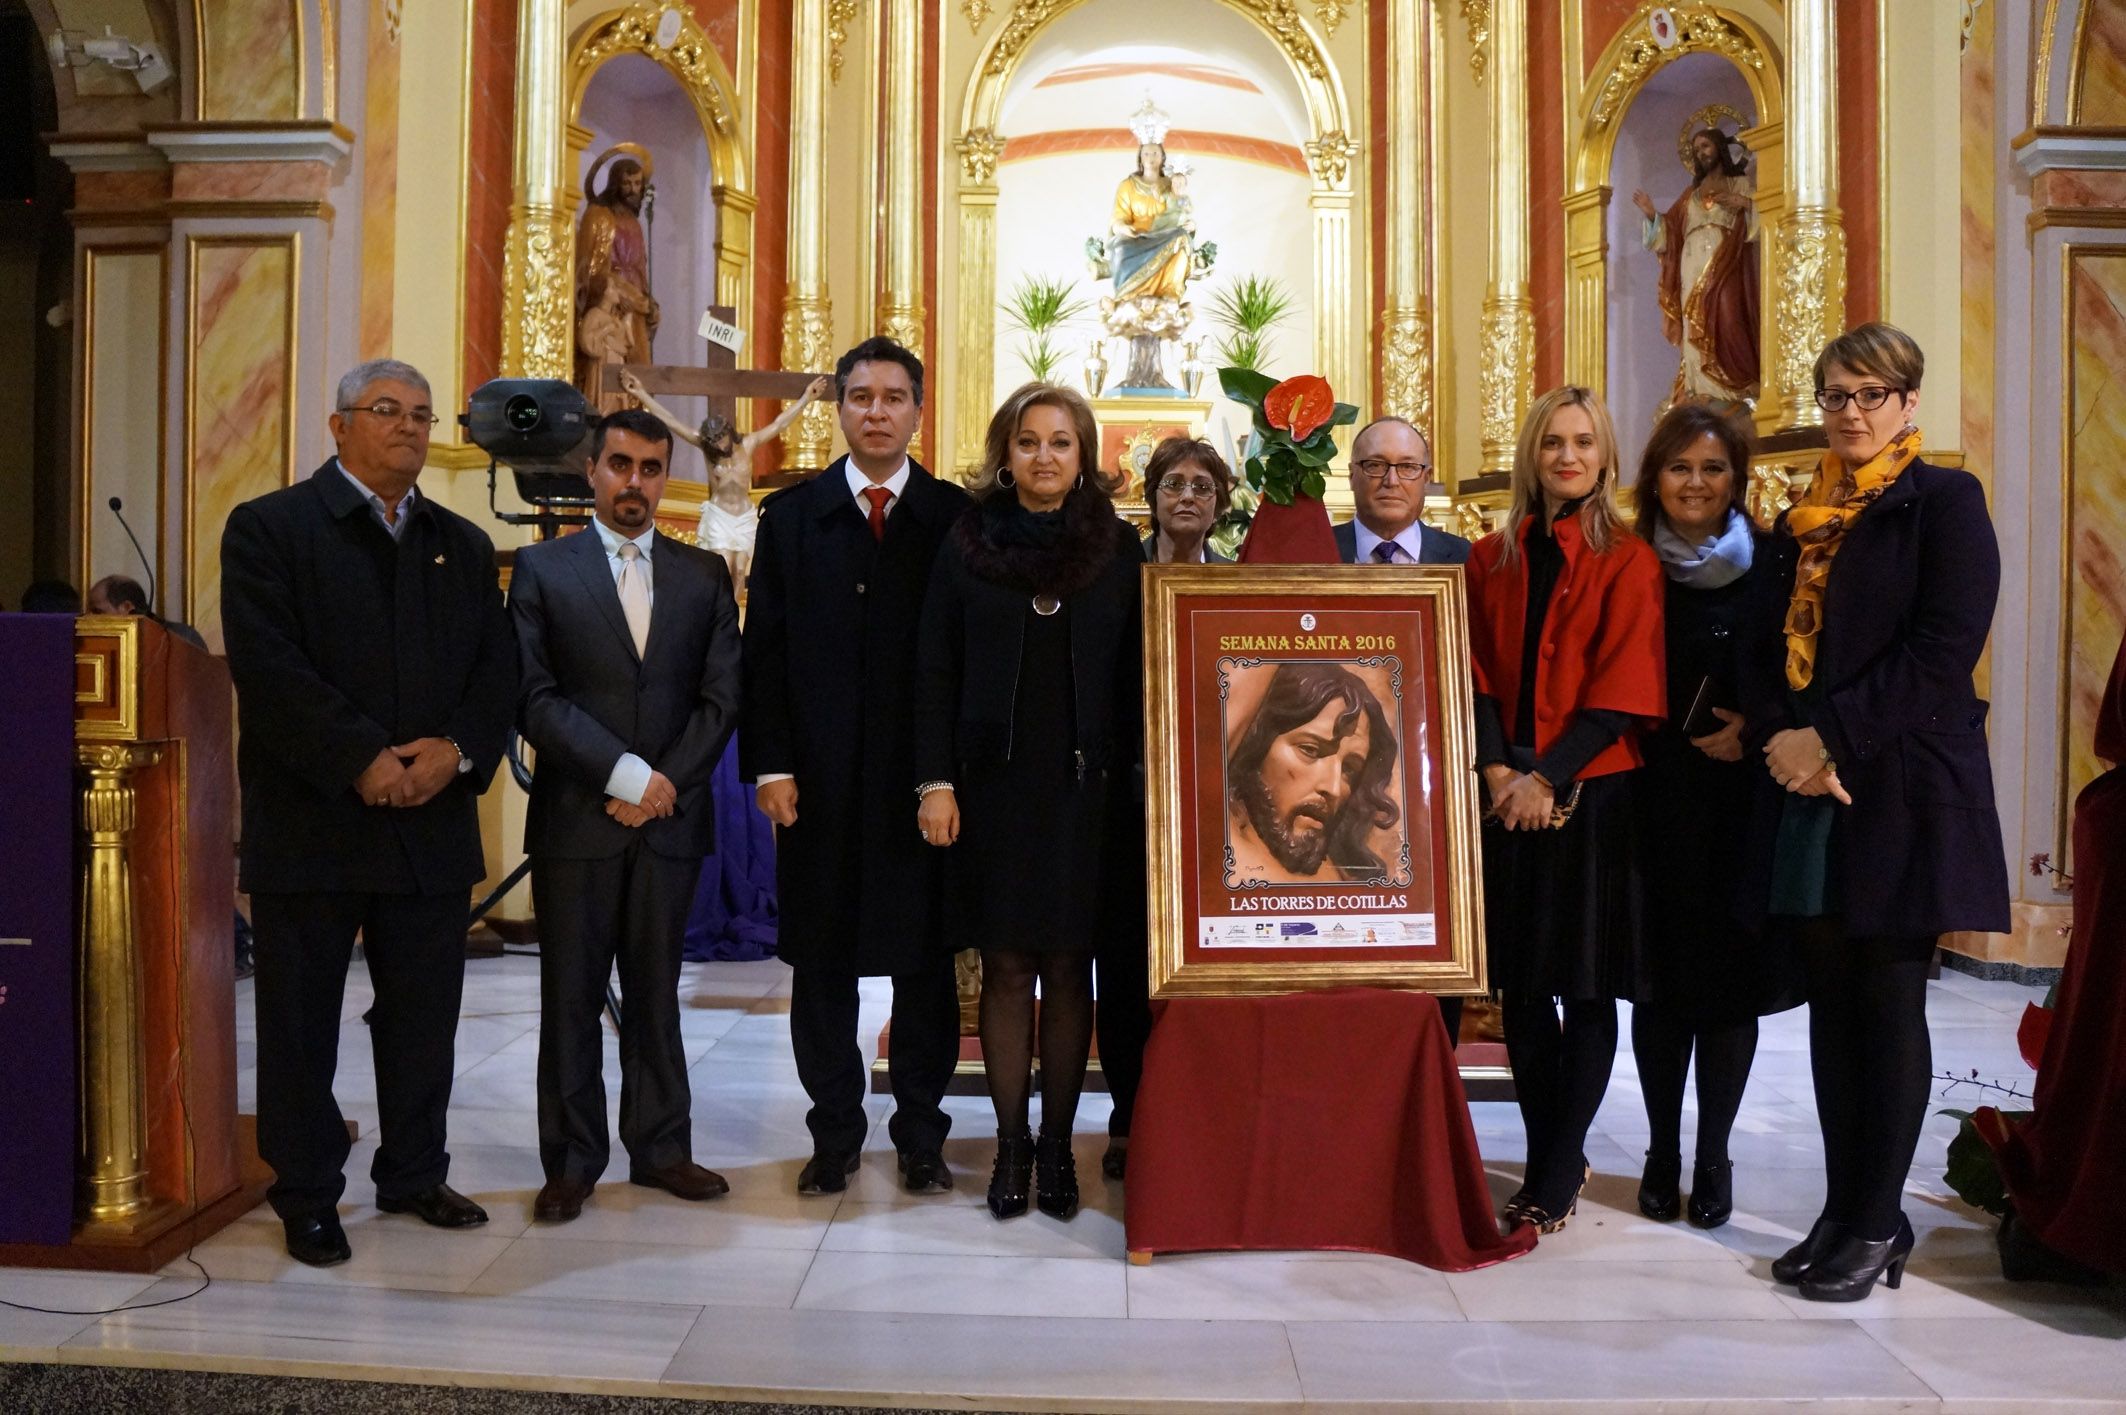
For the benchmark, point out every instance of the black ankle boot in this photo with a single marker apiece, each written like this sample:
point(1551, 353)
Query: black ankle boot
point(1849, 1273)
point(1055, 1176)
point(1790, 1266)
point(1712, 1193)
point(1011, 1182)
point(1659, 1198)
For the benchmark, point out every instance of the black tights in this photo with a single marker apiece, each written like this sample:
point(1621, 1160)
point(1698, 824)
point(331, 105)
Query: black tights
point(1008, 977)
point(1873, 1064)
point(1559, 1073)
point(1662, 1043)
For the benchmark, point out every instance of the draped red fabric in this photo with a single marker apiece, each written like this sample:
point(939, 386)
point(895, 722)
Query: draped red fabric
point(1328, 1120)
point(1298, 534)
point(2064, 1162)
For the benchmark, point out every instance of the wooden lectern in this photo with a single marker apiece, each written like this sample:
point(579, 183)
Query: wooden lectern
point(160, 1162)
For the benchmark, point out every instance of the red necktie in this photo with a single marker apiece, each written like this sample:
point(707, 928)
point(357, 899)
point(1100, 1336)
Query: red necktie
point(878, 496)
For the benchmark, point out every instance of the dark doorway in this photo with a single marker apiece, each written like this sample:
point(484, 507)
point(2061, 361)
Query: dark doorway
point(36, 319)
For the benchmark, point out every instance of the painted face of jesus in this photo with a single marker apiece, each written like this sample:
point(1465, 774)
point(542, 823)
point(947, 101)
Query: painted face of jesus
point(1305, 781)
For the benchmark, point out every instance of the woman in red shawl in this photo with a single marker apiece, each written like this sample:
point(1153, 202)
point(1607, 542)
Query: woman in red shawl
point(2063, 1163)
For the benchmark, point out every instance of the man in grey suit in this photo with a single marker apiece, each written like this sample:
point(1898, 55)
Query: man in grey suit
point(1391, 464)
point(629, 647)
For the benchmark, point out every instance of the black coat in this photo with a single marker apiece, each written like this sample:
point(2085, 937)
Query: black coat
point(343, 642)
point(1694, 819)
point(1905, 616)
point(829, 697)
point(588, 698)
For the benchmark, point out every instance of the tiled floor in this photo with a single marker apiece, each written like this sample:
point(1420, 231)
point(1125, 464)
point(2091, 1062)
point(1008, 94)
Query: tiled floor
point(884, 1297)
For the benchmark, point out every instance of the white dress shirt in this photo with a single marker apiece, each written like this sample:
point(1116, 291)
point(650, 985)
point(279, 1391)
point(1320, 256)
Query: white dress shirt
point(631, 774)
point(392, 519)
point(1411, 538)
point(858, 482)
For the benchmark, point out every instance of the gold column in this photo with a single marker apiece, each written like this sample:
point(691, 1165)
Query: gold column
point(114, 1167)
point(1808, 296)
point(1506, 342)
point(1406, 322)
point(538, 284)
point(1587, 288)
point(900, 310)
point(977, 330)
point(1336, 300)
point(807, 316)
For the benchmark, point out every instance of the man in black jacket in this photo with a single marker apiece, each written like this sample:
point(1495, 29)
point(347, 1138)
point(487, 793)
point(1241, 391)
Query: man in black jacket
point(839, 573)
point(629, 646)
point(374, 674)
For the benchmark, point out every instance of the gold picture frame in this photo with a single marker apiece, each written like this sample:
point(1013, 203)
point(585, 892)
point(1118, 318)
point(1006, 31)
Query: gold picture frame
point(1239, 905)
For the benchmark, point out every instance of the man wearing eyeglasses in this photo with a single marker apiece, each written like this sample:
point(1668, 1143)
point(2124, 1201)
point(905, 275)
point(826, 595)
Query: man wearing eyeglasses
point(376, 677)
point(1391, 465)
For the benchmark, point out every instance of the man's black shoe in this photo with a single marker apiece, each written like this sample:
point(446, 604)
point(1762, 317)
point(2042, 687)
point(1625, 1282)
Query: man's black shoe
point(317, 1239)
point(824, 1174)
point(924, 1172)
point(439, 1205)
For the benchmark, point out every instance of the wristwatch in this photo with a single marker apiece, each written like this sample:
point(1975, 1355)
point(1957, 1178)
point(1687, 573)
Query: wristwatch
point(464, 762)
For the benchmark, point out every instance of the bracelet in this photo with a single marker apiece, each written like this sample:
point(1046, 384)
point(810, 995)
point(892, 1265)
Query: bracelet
point(929, 786)
point(455, 747)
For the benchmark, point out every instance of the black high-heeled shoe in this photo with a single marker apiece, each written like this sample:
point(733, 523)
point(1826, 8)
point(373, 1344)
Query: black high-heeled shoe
point(1114, 1163)
point(1849, 1273)
point(1792, 1265)
point(1712, 1193)
point(1011, 1181)
point(1055, 1176)
point(1659, 1195)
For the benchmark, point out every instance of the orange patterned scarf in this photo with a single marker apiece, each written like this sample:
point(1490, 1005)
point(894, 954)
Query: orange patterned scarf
point(1834, 502)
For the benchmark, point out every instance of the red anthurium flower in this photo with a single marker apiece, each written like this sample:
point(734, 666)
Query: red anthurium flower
point(1299, 405)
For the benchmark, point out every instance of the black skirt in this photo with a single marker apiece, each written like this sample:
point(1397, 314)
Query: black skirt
point(1563, 907)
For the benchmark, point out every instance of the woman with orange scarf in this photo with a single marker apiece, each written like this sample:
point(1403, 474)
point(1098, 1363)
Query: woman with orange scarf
point(1874, 830)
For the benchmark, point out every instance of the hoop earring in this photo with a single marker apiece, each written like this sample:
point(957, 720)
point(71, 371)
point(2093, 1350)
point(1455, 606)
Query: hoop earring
point(1004, 478)
point(1079, 482)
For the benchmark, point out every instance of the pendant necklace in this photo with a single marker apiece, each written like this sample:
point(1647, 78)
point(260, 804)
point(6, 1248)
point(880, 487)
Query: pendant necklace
point(1046, 605)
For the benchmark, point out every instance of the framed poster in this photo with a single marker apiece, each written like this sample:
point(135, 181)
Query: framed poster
point(1309, 780)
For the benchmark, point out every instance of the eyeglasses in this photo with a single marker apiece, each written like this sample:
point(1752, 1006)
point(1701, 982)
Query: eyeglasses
point(1869, 396)
point(1181, 490)
point(1379, 470)
point(392, 412)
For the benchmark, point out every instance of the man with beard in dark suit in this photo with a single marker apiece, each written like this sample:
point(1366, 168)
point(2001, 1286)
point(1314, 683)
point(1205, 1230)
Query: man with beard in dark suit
point(629, 644)
point(839, 573)
point(374, 674)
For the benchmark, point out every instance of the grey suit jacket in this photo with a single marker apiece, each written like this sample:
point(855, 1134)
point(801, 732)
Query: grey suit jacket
point(587, 698)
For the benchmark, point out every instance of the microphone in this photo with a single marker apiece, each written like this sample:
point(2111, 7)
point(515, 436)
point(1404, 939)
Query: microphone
point(118, 510)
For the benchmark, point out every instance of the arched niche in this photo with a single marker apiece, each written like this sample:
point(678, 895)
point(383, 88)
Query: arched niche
point(1744, 35)
point(670, 36)
point(1332, 147)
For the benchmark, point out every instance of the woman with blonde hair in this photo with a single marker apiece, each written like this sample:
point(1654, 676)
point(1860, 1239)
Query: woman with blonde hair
point(1029, 707)
point(1566, 639)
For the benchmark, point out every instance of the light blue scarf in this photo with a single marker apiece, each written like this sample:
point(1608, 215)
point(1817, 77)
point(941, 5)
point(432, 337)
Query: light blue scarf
point(1722, 560)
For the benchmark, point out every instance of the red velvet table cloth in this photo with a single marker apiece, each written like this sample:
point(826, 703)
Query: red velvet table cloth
point(1329, 1120)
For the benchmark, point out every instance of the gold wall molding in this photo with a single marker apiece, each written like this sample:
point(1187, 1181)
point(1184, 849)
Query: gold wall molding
point(1700, 29)
point(114, 1164)
point(1279, 19)
point(807, 323)
point(538, 292)
point(1404, 346)
point(1809, 259)
point(1329, 14)
point(1329, 156)
point(976, 11)
point(900, 307)
point(841, 14)
point(1476, 15)
point(979, 151)
point(1403, 341)
point(691, 58)
point(1505, 376)
point(1506, 336)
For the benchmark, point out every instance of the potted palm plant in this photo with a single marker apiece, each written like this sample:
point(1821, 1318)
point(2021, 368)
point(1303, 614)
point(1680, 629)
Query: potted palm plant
point(1040, 307)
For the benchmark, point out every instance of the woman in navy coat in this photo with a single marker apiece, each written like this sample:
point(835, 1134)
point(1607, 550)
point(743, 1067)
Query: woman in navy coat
point(1874, 830)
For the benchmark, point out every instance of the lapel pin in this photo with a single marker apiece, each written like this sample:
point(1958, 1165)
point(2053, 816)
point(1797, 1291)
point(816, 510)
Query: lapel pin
point(439, 560)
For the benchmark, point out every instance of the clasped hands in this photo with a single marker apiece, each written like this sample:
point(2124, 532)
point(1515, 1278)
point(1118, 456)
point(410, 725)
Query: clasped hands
point(1799, 762)
point(408, 775)
point(659, 799)
point(1519, 800)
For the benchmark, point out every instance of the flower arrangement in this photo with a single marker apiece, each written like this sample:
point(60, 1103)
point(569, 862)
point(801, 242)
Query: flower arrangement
point(1294, 437)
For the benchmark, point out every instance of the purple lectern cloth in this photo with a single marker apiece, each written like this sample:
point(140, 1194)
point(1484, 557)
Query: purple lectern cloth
point(37, 928)
point(734, 912)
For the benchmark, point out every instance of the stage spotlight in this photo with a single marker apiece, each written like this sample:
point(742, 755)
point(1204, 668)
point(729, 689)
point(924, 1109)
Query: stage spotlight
point(539, 427)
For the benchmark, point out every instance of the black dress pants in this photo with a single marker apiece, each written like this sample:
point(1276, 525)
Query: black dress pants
point(830, 1055)
point(302, 943)
point(630, 908)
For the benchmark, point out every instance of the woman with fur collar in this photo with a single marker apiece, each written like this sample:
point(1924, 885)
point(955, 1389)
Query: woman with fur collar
point(1029, 707)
